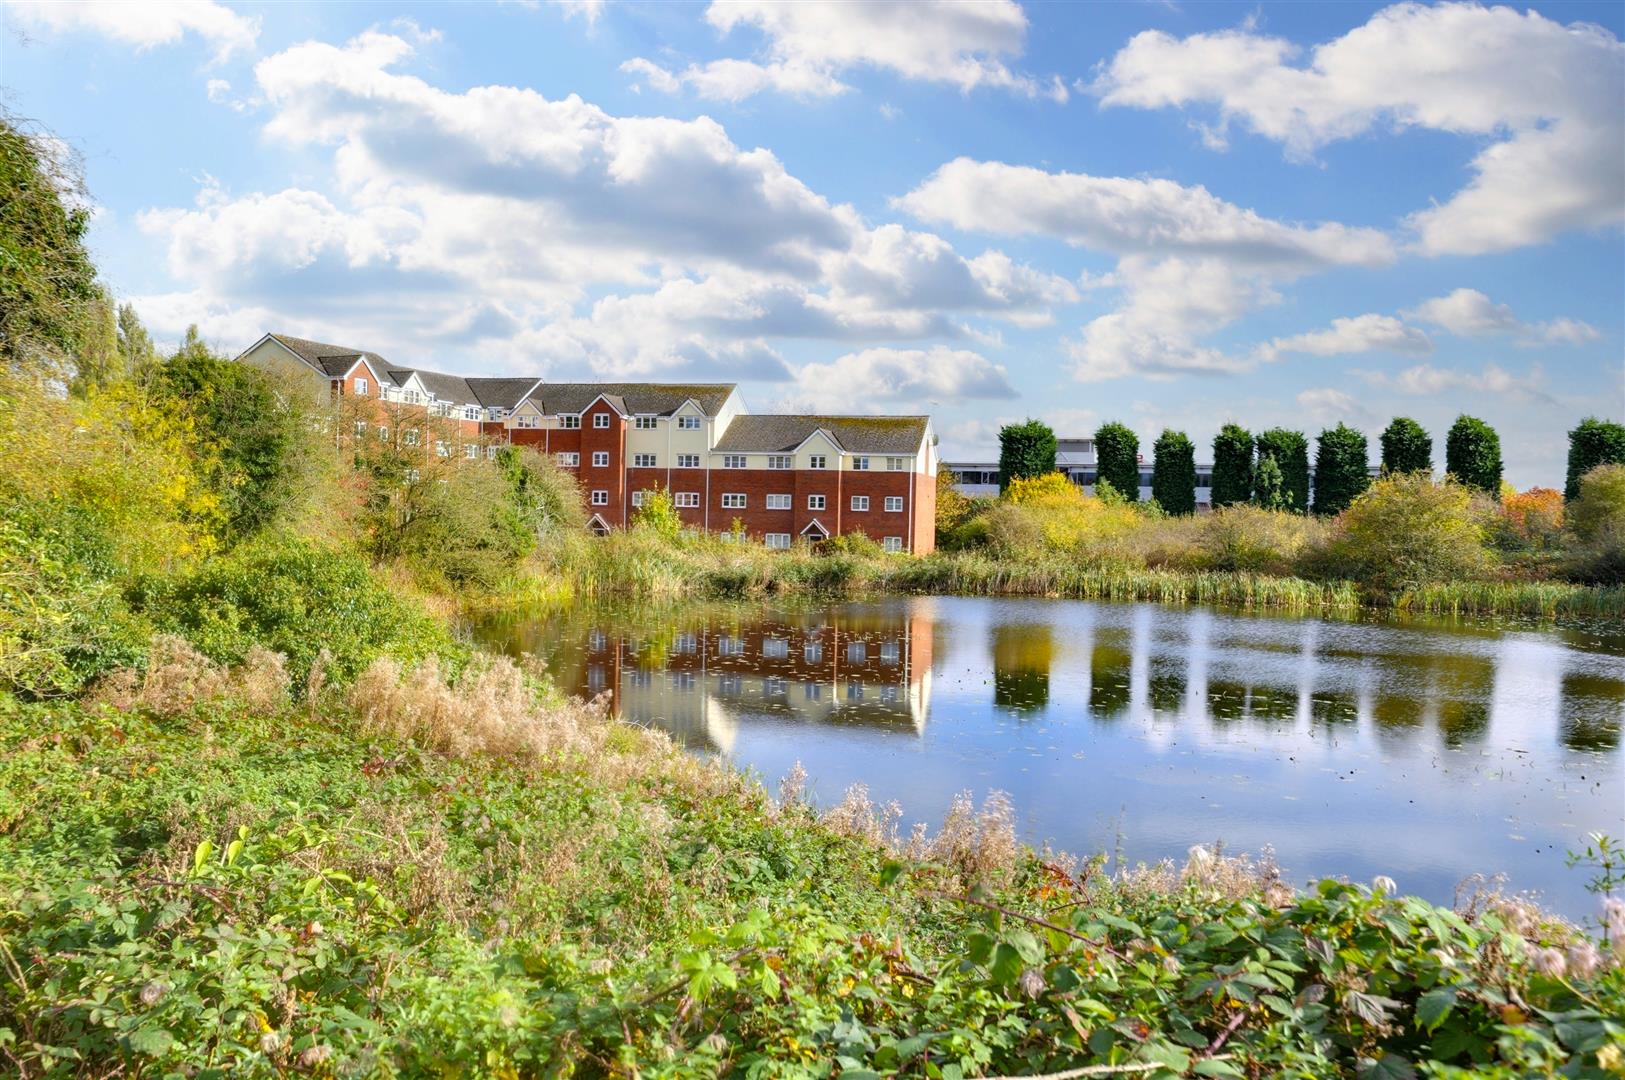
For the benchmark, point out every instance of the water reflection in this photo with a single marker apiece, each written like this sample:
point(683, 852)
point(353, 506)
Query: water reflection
point(1426, 752)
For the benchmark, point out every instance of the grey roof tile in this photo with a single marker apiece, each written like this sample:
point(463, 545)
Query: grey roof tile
point(657, 399)
point(780, 434)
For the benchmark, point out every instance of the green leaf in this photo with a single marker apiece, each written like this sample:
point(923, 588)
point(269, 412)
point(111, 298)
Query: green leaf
point(1211, 1067)
point(1387, 1067)
point(152, 1041)
point(1027, 945)
point(201, 855)
point(891, 870)
point(1433, 1006)
point(1006, 966)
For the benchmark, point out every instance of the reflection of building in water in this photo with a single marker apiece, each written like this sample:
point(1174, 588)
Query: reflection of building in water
point(701, 680)
point(1022, 655)
point(1592, 708)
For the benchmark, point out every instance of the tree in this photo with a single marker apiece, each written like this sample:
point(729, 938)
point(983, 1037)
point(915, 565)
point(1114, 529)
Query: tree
point(953, 507)
point(1290, 451)
point(1593, 442)
point(1232, 466)
point(1117, 459)
point(1340, 469)
point(1270, 488)
point(140, 358)
point(1408, 530)
point(97, 362)
point(1173, 472)
point(48, 284)
point(1025, 450)
point(1472, 454)
point(1406, 447)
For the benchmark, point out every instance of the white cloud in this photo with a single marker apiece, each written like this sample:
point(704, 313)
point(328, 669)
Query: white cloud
point(1470, 313)
point(1125, 215)
point(588, 11)
point(144, 25)
point(1347, 336)
point(1425, 379)
point(1546, 93)
point(482, 220)
point(881, 379)
point(1329, 405)
point(809, 45)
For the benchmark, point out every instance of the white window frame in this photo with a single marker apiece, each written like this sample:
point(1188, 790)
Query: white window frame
point(817, 502)
point(527, 420)
point(600, 497)
point(411, 436)
point(686, 499)
point(734, 500)
point(860, 504)
point(496, 412)
point(735, 461)
point(600, 459)
point(383, 432)
point(471, 412)
point(567, 459)
point(570, 421)
point(897, 464)
point(860, 463)
point(892, 544)
point(440, 448)
point(781, 461)
point(491, 452)
point(361, 387)
point(637, 498)
point(894, 504)
point(600, 420)
point(360, 427)
point(471, 450)
point(688, 461)
point(777, 541)
point(688, 423)
point(644, 461)
point(646, 423)
point(818, 461)
point(780, 502)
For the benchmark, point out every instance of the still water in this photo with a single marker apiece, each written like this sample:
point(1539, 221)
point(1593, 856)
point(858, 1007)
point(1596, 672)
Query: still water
point(1427, 752)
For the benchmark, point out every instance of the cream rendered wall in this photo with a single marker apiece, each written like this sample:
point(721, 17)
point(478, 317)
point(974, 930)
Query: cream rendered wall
point(818, 444)
point(270, 355)
point(527, 408)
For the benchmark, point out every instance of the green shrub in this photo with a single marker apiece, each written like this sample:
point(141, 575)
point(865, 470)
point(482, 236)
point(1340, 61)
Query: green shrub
point(1250, 539)
point(1290, 452)
point(1593, 442)
point(1117, 456)
point(294, 598)
point(1472, 454)
point(658, 514)
point(1340, 469)
point(1406, 530)
point(1173, 473)
point(546, 499)
point(1406, 447)
point(1232, 466)
point(1596, 520)
point(1025, 450)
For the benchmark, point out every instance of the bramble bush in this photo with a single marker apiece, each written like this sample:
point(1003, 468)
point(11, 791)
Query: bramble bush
point(1406, 530)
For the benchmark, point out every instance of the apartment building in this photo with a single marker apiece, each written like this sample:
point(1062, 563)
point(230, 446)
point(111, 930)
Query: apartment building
point(767, 478)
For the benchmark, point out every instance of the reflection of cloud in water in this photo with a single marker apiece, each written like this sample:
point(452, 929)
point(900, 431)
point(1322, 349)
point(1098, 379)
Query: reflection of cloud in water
point(1429, 753)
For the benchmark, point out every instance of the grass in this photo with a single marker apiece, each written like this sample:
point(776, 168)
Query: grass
point(640, 566)
point(420, 876)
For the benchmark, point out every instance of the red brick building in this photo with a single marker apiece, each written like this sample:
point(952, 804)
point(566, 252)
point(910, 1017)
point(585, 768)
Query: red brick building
point(768, 478)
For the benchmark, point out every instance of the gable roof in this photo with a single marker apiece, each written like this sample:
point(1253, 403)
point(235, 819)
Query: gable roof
point(657, 399)
point(499, 393)
point(334, 361)
point(782, 434)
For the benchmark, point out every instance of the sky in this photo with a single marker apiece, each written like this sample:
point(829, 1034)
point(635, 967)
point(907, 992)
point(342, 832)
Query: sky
point(1170, 214)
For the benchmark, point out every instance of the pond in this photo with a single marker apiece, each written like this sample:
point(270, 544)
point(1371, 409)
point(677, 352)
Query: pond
point(1427, 752)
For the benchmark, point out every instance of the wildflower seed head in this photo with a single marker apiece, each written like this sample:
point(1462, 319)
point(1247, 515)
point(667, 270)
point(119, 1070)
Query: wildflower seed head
point(1383, 885)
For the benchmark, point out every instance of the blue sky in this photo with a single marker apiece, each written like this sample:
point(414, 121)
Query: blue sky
point(1170, 214)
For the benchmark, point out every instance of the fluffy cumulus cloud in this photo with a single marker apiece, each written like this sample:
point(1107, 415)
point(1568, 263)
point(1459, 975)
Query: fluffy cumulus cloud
point(882, 379)
point(1348, 336)
point(1190, 263)
point(486, 218)
point(143, 25)
point(1426, 380)
point(1329, 405)
point(1545, 96)
point(1469, 313)
point(808, 46)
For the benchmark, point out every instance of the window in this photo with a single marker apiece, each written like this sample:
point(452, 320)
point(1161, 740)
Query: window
point(897, 464)
point(491, 452)
point(893, 543)
point(813, 652)
point(688, 423)
point(495, 413)
point(778, 502)
point(527, 420)
point(361, 388)
point(383, 432)
point(778, 541)
point(568, 459)
point(861, 464)
point(600, 459)
point(600, 498)
point(637, 497)
point(684, 644)
point(643, 461)
point(888, 650)
point(733, 461)
point(413, 476)
point(860, 503)
point(646, 423)
point(731, 685)
point(688, 461)
point(600, 420)
point(857, 652)
point(360, 427)
point(894, 504)
point(774, 687)
point(775, 648)
point(727, 645)
point(683, 680)
point(818, 461)
point(854, 691)
point(733, 502)
point(569, 421)
point(412, 437)
point(471, 412)
point(781, 461)
point(687, 498)
point(440, 448)
point(815, 502)
point(812, 691)
point(470, 450)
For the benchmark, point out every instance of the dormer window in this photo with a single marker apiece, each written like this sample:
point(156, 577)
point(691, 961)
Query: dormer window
point(688, 423)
